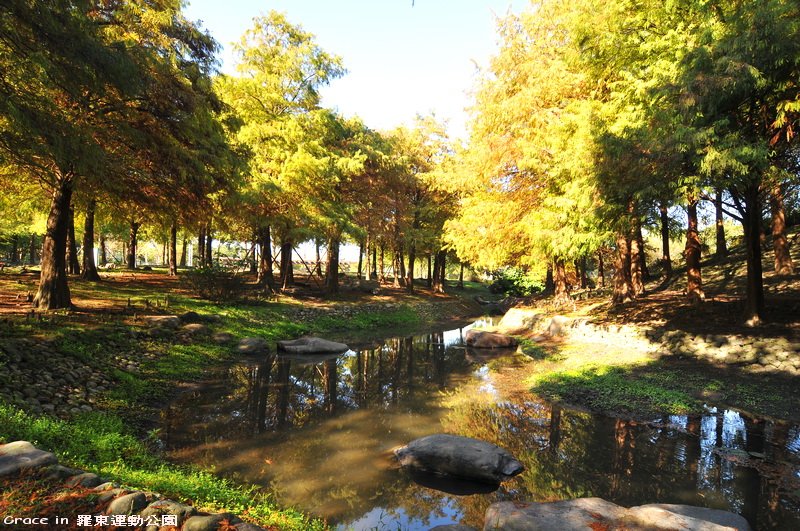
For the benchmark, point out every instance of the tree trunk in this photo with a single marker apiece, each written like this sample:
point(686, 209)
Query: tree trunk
point(360, 260)
point(173, 249)
point(754, 303)
point(666, 261)
point(582, 271)
point(89, 267)
point(374, 274)
point(208, 254)
point(636, 275)
point(332, 267)
point(132, 243)
point(287, 269)
point(13, 256)
point(254, 255)
point(53, 289)
point(642, 253)
point(722, 246)
point(183, 253)
point(103, 253)
point(561, 297)
point(780, 244)
point(439, 268)
point(430, 262)
point(382, 265)
point(396, 261)
point(549, 283)
point(73, 266)
point(694, 279)
point(412, 257)
point(623, 290)
point(265, 278)
point(201, 247)
point(368, 258)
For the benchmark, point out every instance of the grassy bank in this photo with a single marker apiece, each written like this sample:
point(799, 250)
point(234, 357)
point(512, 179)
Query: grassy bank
point(109, 331)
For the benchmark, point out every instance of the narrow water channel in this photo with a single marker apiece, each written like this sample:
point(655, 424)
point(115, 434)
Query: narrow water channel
point(318, 433)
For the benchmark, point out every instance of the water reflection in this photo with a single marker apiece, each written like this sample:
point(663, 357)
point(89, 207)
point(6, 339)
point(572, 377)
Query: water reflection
point(318, 433)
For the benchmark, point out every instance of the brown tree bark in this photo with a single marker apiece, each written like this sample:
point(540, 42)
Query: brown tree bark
point(666, 261)
point(780, 244)
point(642, 252)
point(382, 273)
point(201, 247)
point(561, 297)
point(89, 267)
point(265, 278)
point(53, 289)
point(183, 253)
point(694, 278)
point(173, 249)
point(332, 267)
point(549, 283)
point(374, 274)
point(430, 271)
point(73, 265)
point(439, 268)
point(209, 256)
point(359, 274)
point(287, 268)
point(623, 290)
point(754, 303)
point(722, 245)
point(412, 258)
point(636, 274)
point(103, 252)
point(133, 235)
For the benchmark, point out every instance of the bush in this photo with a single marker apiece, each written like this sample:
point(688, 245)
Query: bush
point(515, 281)
point(214, 283)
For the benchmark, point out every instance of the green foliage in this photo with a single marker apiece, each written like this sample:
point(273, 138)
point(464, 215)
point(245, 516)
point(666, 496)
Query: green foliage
point(517, 282)
point(213, 283)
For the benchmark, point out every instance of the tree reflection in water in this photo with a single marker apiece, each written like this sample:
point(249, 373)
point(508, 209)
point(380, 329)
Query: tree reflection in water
point(318, 433)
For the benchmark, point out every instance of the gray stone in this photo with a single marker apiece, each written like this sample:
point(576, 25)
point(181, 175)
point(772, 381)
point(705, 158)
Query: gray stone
point(162, 507)
point(518, 320)
point(311, 345)
point(252, 345)
point(222, 337)
point(210, 522)
point(558, 326)
point(22, 455)
point(128, 503)
point(62, 472)
point(483, 339)
point(86, 479)
point(716, 516)
point(108, 495)
point(191, 317)
point(164, 321)
point(194, 329)
point(459, 457)
point(591, 513)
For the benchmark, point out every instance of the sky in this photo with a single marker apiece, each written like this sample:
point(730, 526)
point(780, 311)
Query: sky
point(402, 59)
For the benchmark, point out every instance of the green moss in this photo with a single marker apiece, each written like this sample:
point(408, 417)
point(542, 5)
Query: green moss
point(617, 389)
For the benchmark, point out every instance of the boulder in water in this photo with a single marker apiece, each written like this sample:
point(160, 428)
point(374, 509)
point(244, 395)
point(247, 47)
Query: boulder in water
point(311, 345)
point(483, 339)
point(460, 457)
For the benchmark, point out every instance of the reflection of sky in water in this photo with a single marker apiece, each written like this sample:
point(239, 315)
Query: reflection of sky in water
point(381, 519)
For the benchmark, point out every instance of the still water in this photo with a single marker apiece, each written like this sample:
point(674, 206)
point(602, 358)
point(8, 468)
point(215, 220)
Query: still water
point(318, 433)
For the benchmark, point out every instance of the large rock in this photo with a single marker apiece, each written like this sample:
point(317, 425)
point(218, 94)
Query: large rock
point(483, 339)
point(311, 345)
point(518, 320)
point(252, 345)
point(595, 513)
point(459, 457)
point(18, 456)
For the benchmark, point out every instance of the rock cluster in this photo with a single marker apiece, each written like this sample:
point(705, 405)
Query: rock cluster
point(116, 502)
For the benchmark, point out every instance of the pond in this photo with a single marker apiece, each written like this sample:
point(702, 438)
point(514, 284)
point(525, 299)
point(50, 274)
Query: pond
point(318, 433)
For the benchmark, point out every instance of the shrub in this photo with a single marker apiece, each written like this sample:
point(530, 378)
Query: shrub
point(214, 283)
point(515, 281)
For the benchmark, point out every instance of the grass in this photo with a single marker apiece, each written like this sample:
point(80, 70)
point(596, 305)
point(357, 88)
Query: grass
point(102, 443)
